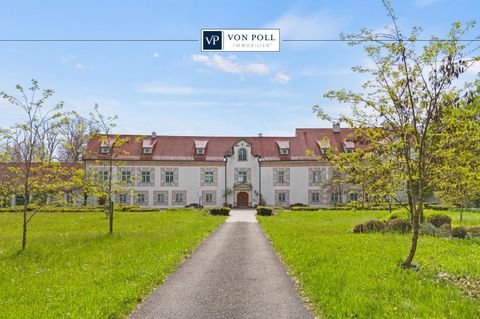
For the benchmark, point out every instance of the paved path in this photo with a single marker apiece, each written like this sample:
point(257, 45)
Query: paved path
point(233, 274)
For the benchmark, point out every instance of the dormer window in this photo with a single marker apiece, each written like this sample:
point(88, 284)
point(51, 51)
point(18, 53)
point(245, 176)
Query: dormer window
point(348, 147)
point(284, 147)
point(200, 147)
point(104, 150)
point(324, 145)
point(147, 150)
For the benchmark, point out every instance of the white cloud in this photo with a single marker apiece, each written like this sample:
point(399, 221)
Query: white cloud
point(281, 78)
point(155, 55)
point(68, 58)
point(231, 65)
point(317, 25)
point(474, 68)
point(79, 66)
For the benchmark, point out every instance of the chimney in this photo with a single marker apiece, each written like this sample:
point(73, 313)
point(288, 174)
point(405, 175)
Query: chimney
point(260, 135)
point(336, 127)
point(154, 134)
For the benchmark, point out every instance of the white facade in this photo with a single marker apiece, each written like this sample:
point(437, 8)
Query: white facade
point(248, 179)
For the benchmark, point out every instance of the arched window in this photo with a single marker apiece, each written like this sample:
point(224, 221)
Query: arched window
point(242, 154)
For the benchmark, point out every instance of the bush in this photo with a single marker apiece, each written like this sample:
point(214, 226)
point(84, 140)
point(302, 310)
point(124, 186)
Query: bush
point(194, 205)
point(474, 231)
point(428, 229)
point(298, 205)
point(399, 214)
point(459, 232)
point(223, 211)
point(304, 208)
point(370, 226)
point(264, 211)
point(398, 225)
point(438, 220)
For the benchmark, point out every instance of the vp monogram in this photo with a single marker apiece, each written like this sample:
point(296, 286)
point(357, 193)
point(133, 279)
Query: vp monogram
point(212, 40)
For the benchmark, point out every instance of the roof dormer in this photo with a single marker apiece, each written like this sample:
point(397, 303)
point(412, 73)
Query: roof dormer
point(148, 144)
point(106, 145)
point(200, 147)
point(324, 145)
point(284, 147)
point(348, 146)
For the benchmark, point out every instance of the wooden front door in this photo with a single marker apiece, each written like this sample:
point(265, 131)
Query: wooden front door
point(242, 199)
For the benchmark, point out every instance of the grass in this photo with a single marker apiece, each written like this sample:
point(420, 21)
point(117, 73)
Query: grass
point(73, 269)
point(348, 275)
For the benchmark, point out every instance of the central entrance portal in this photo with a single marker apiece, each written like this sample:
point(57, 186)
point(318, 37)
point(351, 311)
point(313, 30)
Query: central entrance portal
point(242, 199)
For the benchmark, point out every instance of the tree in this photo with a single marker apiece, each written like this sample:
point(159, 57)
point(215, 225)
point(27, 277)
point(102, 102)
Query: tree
point(457, 175)
point(75, 134)
point(406, 96)
point(27, 140)
point(103, 126)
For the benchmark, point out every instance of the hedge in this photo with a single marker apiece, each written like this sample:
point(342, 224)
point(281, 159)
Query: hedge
point(223, 211)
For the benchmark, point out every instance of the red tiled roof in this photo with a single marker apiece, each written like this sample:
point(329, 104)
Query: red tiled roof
point(183, 147)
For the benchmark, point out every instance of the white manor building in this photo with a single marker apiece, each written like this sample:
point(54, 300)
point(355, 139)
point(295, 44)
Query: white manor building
point(174, 171)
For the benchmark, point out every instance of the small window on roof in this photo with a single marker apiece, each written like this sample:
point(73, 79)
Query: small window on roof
point(104, 149)
point(284, 151)
point(147, 150)
point(200, 151)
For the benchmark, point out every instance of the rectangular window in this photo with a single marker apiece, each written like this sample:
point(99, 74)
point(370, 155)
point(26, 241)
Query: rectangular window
point(140, 198)
point(160, 198)
point(335, 197)
point(126, 177)
point(103, 176)
point(281, 177)
point(282, 197)
point(242, 177)
point(284, 151)
point(208, 198)
point(104, 150)
point(317, 176)
point(315, 197)
point(178, 197)
point(208, 177)
point(169, 177)
point(145, 177)
point(147, 150)
point(200, 151)
point(353, 197)
point(123, 198)
point(349, 150)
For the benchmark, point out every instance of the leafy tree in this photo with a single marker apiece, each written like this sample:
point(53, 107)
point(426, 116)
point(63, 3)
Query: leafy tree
point(100, 186)
point(409, 90)
point(27, 139)
point(75, 134)
point(457, 175)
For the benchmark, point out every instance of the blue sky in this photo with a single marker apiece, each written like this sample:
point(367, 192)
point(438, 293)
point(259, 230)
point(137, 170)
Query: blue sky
point(173, 88)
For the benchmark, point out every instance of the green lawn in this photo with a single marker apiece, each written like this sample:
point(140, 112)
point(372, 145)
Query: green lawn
point(348, 275)
point(73, 269)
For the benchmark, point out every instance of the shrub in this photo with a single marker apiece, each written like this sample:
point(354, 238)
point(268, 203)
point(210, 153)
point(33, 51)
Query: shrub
point(370, 226)
point(305, 208)
point(398, 225)
point(224, 211)
point(438, 220)
point(474, 231)
point(298, 205)
point(459, 232)
point(194, 205)
point(428, 229)
point(264, 211)
point(399, 214)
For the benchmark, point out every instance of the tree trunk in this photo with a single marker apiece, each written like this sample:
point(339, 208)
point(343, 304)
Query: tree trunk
point(110, 202)
point(461, 213)
point(110, 216)
point(24, 230)
point(416, 213)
